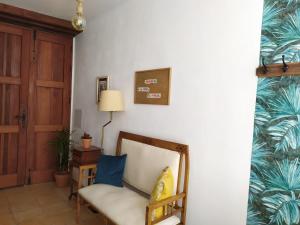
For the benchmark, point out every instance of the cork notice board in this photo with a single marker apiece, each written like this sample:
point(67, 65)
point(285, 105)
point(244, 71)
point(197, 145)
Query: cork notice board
point(152, 87)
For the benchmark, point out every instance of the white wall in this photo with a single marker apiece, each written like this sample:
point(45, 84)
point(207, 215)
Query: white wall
point(213, 48)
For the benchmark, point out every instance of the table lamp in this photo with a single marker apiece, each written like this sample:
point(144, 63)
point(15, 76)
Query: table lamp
point(110, 101)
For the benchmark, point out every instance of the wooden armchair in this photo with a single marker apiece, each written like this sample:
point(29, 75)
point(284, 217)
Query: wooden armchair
point(174, 208)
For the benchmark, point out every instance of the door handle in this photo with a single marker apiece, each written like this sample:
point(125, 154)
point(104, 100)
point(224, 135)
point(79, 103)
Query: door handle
point(22, 118)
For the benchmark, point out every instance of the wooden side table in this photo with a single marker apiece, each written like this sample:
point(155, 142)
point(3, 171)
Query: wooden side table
point(84, 160)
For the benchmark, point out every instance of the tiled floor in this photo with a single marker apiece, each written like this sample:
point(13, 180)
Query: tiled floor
point(41, 204)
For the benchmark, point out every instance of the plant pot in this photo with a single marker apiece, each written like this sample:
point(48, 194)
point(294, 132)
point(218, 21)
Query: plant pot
point(86, 143)
point(62, 179)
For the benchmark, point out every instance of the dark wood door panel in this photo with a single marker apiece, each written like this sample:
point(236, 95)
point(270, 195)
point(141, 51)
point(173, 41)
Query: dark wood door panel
point(51, 65)
point(8, 180)
point(11, 41)
point(48, 128)
point(44, 158)
point(9, 104)
point(56, 82)
point(15, 57)
point(50, 103)
point(9, 153)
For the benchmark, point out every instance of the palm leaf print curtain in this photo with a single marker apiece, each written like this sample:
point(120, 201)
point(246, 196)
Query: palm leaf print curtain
point(274, 193)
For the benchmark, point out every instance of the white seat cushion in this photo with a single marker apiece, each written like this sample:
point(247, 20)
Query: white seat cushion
point(122, 205)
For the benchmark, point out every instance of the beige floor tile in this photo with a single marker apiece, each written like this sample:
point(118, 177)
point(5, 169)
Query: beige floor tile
point(7, 219)
point(16, 192)
point(43, 188)
point(3, 196)
point(4, 207)
point(34, 221)
point(24, 205)
point(55, 221)
point(27, 215)
point(42, 204)
point(96, 220)
point(50, 200)
point(61, 219)
point(4, 210)
point(20, 197)
point(54, 209)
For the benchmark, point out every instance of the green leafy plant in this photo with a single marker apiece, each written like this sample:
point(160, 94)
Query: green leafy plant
point(61, 144)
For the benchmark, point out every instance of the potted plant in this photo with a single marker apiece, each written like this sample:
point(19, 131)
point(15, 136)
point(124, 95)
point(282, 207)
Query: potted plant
point(61, 144)
point(86, 140)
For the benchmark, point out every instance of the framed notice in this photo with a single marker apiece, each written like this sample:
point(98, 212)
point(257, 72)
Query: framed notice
point(152, 87)
point(102, 85)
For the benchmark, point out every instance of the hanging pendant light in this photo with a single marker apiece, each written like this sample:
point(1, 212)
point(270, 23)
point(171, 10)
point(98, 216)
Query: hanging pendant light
point(78, 21)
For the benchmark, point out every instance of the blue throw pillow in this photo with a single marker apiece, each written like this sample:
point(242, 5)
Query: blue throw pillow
point(110, 170)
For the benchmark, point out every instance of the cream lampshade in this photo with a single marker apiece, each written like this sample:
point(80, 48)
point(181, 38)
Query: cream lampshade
point(110, 101)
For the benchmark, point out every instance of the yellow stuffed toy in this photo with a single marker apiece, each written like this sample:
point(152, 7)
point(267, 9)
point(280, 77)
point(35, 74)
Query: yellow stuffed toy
point(163, 189)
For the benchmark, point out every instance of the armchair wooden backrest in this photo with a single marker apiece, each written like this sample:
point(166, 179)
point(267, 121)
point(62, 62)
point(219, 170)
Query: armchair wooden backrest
point(182, 149)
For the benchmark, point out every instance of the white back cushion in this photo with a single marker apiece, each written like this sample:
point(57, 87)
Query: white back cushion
point(145, 163)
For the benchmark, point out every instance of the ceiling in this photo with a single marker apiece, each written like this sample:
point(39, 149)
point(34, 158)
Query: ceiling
point(64, 9)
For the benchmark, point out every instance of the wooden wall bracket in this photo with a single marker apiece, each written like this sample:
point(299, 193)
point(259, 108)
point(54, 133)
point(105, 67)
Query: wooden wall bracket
point(277, 70)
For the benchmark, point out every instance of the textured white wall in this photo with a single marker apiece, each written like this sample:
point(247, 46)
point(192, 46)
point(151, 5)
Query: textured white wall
point(213, 48)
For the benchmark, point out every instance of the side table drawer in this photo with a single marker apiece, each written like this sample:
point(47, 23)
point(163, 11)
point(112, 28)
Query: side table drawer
point(90, 157)
point(86, 156)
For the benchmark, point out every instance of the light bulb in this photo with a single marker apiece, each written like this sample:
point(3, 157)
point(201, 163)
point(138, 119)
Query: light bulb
point(79, 22)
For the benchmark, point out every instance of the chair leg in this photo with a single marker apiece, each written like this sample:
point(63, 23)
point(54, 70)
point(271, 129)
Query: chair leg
point(78, 210)
point(183, 214)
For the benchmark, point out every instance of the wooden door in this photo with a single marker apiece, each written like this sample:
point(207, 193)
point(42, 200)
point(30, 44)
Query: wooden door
point(49, 101)
point(15, 57)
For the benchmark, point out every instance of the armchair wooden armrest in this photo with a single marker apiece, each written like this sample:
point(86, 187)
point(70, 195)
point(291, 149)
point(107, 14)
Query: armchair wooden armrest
point(170, 209)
